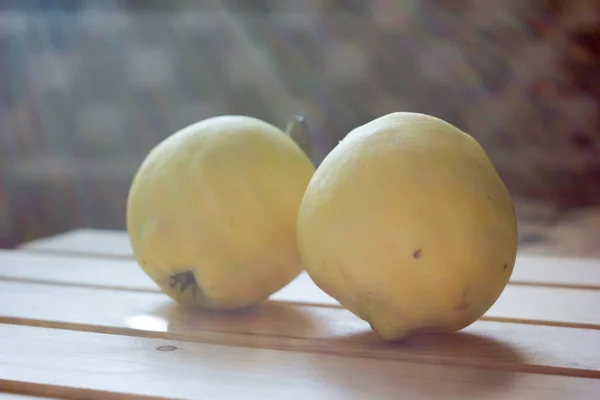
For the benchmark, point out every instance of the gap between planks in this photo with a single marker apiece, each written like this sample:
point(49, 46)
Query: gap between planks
point(285, 326)
point(81, 363)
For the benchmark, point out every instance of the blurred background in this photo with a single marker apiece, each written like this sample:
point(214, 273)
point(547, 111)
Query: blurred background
point(87, 88)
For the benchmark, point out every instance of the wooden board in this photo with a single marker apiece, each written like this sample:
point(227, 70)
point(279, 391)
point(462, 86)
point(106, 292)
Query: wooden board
point(529, 269)
point(91, 242)
point(61, 267)
point(291, 326)
point(70, 362)
point(537, 304)
point(16, 396)
point(82, 271)
point(77, 323)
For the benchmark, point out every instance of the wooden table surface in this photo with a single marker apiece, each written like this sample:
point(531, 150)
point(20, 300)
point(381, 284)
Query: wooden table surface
point(79, 319)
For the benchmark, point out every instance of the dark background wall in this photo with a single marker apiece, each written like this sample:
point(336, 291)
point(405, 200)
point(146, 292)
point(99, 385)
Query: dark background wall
point(88, 87)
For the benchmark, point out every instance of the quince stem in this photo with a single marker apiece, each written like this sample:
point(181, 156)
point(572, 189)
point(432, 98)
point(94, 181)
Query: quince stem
point(298, 131)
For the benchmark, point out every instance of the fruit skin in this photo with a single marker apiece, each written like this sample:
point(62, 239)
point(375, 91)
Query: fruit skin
point(409, 226)
point(220, 198)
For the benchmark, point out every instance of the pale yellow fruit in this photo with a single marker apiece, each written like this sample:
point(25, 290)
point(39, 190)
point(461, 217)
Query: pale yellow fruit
point(408, 225)
point(212, 210)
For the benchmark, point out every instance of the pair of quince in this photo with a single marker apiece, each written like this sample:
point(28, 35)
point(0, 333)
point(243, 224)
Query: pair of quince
point(405, 222)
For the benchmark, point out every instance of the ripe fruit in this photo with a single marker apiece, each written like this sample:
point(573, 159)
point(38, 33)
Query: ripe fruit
point(408, 225)
point(211, 212)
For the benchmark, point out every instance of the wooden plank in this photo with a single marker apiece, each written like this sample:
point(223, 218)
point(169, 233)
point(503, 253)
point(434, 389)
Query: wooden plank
point(16, 396)
point(529, 269)
point(532, 304)
point(557, 271)
point(82, 271)
point(40, 391)
point(285, 326)
point(93, 242)
point(79, 361)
